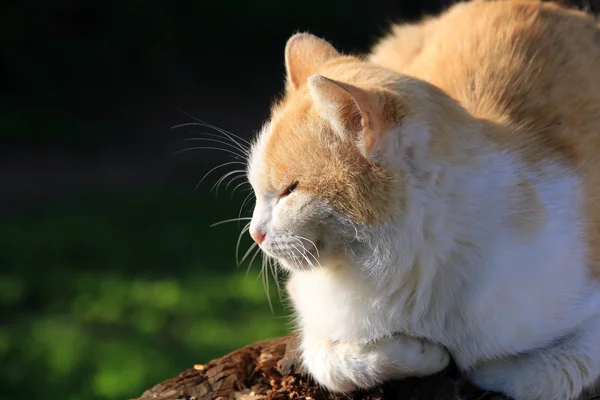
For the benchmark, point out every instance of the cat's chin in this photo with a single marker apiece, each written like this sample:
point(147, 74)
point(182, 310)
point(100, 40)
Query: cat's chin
point(295, 265)
point(323, 262)
point(296, 260)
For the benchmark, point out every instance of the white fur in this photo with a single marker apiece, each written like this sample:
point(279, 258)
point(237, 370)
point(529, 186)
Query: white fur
point(452, 271)
point(343, 366)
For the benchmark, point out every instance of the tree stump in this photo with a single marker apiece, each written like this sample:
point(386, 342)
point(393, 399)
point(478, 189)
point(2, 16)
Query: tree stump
point(270, 370)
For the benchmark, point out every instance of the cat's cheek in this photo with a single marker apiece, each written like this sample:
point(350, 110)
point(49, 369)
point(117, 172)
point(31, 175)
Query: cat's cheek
point(282, 218)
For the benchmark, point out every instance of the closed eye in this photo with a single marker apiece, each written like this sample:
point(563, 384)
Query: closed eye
point(289, 190)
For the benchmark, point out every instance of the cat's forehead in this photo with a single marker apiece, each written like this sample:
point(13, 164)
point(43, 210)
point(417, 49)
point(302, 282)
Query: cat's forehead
point(287, 142)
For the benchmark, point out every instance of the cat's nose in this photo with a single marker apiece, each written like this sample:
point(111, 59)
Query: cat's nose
point(258, 235)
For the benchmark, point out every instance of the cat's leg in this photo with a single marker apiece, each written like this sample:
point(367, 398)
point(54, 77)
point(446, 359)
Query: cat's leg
point(343, 367)
point(559, 372)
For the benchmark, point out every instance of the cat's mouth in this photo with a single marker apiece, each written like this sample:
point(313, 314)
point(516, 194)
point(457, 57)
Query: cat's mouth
point(297, 254)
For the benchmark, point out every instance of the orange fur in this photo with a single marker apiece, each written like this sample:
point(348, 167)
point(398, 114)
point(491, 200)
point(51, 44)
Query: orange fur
point(320, 161)
point(526, 71)
point(301, 145)
point(459, 136)
point(528, 66)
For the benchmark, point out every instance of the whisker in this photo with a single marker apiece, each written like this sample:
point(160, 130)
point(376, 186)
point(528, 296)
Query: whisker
point(299, 241)
point(263, 276)
point(315, 258)
point(247, 189)
point(237, 246)
point(244, 147)
point(243, 153)
point(265, 279)
point(234, 179)
point(295, 259)
point(209, 148)
point(290, 254)
point(206, 124)
point(352, 251)
point(240, 185)
point(252, 246)
point(215, 168)
point(224, 135)
point(308, 240)
point(274, 272)
point(252, 261)
point(306, 251)
point(311, 254)
point(244, 203)
point(263, 272)
point(225, 176)
point(231, 220)
point(237, 148)
point(301, 253)
point(199, 122)
point(308, 261)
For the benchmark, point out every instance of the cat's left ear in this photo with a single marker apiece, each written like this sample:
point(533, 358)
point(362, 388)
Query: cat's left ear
point(304, 54)
point(351, 110)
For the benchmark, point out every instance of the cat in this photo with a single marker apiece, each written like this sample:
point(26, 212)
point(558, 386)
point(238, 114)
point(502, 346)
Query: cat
point(439, 199)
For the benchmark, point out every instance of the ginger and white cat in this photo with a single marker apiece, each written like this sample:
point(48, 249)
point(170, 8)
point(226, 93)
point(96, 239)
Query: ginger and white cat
point(441, 198)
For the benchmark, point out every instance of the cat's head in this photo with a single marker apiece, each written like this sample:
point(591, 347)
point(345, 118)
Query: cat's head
point(334, 158)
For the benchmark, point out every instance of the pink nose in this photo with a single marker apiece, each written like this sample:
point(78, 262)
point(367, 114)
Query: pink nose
point(258, 236)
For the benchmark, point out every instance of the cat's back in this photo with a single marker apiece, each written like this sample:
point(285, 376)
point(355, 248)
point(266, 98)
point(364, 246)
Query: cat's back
point(525, 60)
point(532, 66)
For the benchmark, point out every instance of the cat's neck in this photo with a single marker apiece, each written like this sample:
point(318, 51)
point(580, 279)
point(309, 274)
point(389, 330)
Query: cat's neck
point(459, 211)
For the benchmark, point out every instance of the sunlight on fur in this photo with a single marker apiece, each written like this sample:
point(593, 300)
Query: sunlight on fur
point(440, 199)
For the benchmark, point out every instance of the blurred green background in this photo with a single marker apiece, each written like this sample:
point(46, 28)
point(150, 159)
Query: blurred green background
point(107, 294)
point(111, 279)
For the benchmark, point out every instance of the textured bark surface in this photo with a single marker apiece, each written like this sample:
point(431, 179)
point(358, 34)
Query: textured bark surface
point(269, 370)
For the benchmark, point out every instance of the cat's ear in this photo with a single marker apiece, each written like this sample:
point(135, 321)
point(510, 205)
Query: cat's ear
point(304, 54)
point(353, 110)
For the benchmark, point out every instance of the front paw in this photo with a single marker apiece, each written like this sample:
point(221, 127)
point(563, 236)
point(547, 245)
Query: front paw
point(340, 367)
point(411, 356)
point(344, 367)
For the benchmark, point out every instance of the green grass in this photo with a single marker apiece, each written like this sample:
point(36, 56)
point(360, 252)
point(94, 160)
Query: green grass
point(104, 295)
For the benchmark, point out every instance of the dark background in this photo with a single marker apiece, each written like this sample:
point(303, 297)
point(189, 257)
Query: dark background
point(110, 277)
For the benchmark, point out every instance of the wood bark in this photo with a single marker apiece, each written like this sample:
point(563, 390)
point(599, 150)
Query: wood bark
point(270, 370)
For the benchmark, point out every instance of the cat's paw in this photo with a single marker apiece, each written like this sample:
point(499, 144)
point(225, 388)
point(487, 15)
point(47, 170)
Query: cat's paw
point(415, 357)
point(344, 367)
point(340, 367)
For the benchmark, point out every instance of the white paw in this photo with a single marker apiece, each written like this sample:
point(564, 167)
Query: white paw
point(344, 367)
point(415, 357)
point(338, 367)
